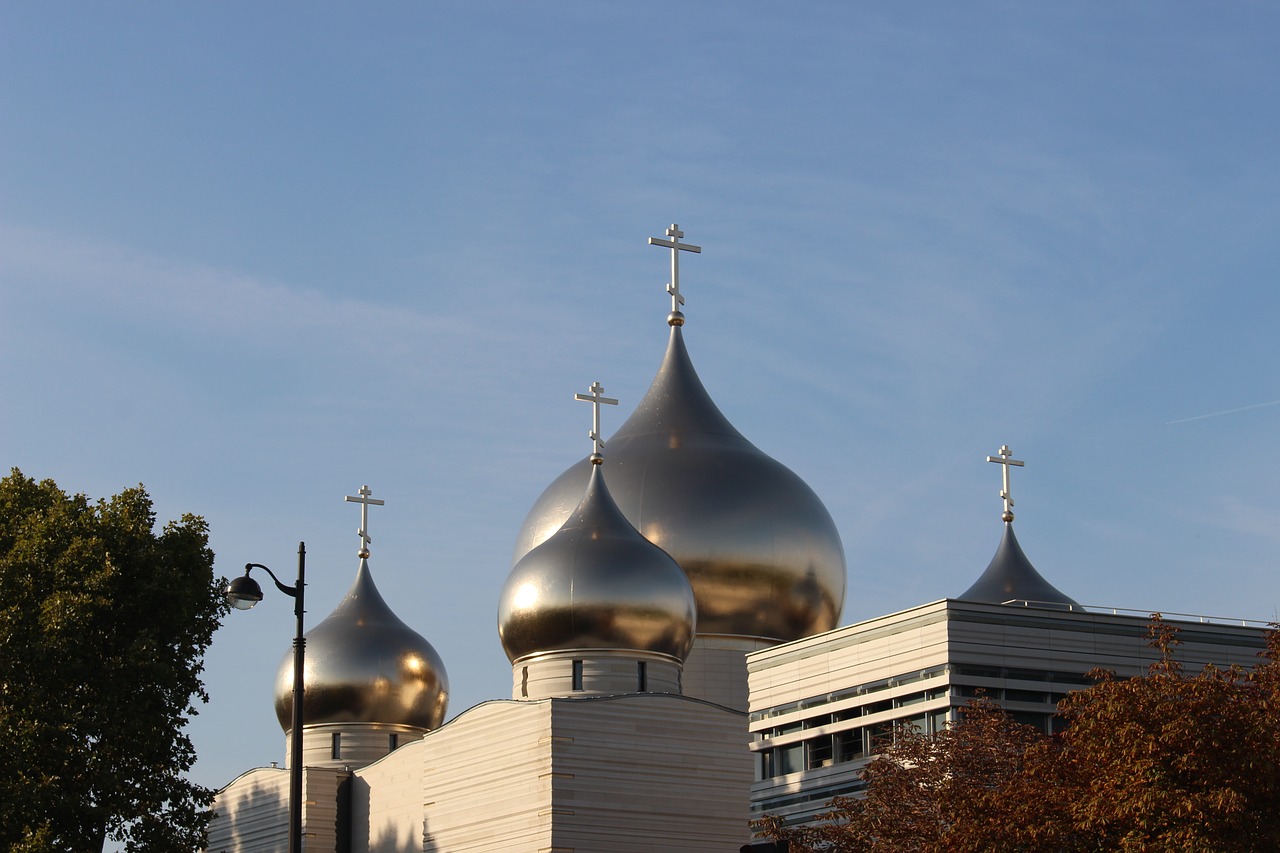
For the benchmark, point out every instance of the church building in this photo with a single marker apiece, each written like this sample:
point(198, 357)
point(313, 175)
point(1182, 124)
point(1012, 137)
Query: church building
point(671, 619)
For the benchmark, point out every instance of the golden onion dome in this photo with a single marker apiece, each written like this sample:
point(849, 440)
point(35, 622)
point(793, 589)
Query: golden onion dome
point(364, 665)
point(760, 549)
point(595, 583)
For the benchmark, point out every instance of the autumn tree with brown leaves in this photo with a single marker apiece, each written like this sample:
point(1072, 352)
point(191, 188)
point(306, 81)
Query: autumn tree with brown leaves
point(1165, 761)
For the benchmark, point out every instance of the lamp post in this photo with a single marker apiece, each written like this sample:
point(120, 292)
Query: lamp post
point(243, 593)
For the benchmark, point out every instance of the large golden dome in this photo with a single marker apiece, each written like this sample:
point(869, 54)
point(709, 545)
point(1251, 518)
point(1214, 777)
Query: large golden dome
point(760, 549)
point(364, 665)
point(595, 583)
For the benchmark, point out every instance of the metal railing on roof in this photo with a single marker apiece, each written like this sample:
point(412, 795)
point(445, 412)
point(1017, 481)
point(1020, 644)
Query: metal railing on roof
point(1131, 611)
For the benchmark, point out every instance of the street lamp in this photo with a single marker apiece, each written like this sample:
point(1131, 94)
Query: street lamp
point(243, 593)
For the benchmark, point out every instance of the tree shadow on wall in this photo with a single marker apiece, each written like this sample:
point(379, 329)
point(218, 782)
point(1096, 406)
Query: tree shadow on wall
point(256, 814)
point(388, 836)
point(397, 840)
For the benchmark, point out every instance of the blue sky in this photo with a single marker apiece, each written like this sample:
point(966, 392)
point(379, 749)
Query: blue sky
point(256, 255)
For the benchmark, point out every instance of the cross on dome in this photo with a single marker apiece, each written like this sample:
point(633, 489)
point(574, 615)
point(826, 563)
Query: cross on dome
point(595, 399)
point(675, 318)
point(365, 502)
point(1006, 459)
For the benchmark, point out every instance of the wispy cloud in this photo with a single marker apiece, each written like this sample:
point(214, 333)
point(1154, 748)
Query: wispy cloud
point(1224, 412)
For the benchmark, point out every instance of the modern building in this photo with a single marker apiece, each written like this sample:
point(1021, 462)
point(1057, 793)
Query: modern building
point(671, 621)
point(821, 706)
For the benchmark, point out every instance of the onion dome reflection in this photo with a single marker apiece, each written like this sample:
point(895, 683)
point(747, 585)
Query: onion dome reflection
point(596, 584)
point(1010, 576)
point(363, 664)
point(760, 549)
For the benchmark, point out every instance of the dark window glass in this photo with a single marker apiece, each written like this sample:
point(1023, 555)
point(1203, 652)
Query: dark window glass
point(820, 754)
point(788, 759)
point(1011, 695)
point(848, 745)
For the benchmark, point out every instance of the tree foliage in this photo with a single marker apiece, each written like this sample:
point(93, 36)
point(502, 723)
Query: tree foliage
point(1165, 761)
point(103, 627)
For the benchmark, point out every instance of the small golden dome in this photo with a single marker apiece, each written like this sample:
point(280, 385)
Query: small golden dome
point(760, 549)
point(595, 583)
point(364, 665)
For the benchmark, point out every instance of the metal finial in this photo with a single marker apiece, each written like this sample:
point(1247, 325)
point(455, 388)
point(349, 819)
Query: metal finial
point(365, 502)
point(675, 318)
point(594, 398)
point(1006, 460)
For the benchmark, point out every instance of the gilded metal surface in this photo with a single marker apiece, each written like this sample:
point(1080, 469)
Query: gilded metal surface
point(1010, 576)
point(595, 583)
point(364, 665)
point(760, 549)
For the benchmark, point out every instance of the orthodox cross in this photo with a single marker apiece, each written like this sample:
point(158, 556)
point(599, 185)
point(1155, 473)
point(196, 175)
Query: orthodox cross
point(673, 287)
point(365, 502)
point(595, 399)
point(1006, 459)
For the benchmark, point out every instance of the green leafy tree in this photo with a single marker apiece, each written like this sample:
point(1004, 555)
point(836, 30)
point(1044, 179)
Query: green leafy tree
point(1161, 762)
point(103, 627)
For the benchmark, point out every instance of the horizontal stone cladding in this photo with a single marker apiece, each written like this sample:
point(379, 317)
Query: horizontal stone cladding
point(358, 743)
point(648, 772)
point(716, 668)
point(251, 815)
point(626, 774)
point(600, 672)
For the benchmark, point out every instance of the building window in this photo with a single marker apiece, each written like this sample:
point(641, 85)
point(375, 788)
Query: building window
point(764, 770)
point(1030, 718)
point(878, 737)
point(790, 728)
point(577, 675)
point(642, 676)
point(788, 759)
point(938, 721)
point(819, 752)
point(393, 740)
point(335, 746)
point(848, 745)
point(524, 682)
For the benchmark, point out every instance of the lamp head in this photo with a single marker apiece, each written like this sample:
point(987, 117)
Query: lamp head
point(243, 592)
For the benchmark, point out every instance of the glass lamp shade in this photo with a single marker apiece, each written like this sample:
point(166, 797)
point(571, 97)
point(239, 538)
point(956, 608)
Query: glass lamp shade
point(243, 592)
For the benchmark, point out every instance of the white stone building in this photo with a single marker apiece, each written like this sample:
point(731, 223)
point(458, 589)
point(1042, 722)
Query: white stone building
point(676, 665)
point(627, 617)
